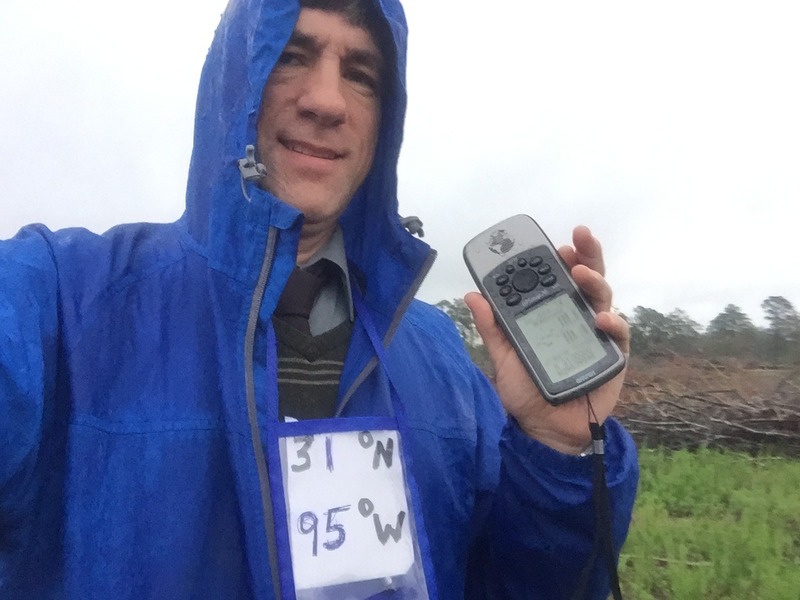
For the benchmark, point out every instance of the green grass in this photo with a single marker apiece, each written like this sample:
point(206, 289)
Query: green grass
point(713, 525)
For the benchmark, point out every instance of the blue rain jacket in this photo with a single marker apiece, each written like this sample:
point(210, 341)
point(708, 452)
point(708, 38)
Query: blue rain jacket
point(133, 392)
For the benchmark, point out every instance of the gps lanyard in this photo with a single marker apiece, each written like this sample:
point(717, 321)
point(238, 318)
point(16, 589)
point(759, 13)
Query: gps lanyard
point(603, 541)
point(402, 427)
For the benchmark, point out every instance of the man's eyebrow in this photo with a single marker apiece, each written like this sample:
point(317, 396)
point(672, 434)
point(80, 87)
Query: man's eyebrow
point(304, 40)
point(358, 56)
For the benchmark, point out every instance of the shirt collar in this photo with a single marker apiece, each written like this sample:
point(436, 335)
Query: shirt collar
point(334, 252)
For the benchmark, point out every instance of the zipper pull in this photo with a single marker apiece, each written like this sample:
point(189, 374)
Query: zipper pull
point(413, 225)
point(248, 167)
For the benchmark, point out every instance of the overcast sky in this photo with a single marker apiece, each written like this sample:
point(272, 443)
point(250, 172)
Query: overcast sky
point(672, 129)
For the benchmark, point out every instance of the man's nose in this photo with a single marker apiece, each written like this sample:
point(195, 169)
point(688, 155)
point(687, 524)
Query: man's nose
point(322, 98)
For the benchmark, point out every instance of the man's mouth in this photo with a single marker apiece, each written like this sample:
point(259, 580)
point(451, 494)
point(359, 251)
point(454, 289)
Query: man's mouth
point(311, 149)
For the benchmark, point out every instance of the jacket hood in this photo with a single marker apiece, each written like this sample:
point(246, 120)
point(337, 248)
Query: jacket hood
point(227, 218)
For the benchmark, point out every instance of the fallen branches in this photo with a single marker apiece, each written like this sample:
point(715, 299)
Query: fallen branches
point(690, 403)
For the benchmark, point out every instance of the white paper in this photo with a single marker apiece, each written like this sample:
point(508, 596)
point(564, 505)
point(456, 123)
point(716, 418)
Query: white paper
point(348, 516)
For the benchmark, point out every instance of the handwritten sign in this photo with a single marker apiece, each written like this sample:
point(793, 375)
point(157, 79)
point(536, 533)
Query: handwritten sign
point(348, 517)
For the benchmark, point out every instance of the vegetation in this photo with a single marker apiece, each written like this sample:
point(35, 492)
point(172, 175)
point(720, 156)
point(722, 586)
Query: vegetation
point(718, 409)
point(731, 334)
point(459, 312)
point(714, 525)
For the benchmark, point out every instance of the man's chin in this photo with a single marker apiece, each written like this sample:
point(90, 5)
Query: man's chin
point(318, 218)
point(318, 210)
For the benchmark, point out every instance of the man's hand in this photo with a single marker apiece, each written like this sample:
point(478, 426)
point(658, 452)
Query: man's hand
point(563, 427)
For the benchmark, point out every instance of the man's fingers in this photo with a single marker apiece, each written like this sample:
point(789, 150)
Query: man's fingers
point(617, 328)
point(594, 286)
point(586, 250)
point(491, 334)
point(483, 315)
point(568, 255)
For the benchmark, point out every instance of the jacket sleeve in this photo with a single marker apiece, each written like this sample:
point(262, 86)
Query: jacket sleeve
point(535, 531)
point(28, 343)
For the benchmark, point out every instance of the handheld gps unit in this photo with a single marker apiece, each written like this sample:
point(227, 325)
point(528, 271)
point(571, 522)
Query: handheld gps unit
point(543, 313)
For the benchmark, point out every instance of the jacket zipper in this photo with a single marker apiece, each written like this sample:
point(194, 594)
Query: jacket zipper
point(252, 414)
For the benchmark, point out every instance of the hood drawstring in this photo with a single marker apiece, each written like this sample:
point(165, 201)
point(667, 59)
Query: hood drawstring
point(249, 169)
point(413, 225)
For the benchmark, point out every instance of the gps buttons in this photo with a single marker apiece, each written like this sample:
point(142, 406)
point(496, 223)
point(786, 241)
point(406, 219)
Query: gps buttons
point(525, 281)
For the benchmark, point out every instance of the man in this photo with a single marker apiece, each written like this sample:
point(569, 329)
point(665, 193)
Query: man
point(149, 377)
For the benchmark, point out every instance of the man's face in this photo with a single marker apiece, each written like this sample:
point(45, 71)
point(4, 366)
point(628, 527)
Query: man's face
point(320, 116)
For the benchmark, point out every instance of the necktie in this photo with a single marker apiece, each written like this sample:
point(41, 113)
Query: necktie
point(302, 288)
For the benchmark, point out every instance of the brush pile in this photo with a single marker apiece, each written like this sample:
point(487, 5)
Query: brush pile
point(677, 402)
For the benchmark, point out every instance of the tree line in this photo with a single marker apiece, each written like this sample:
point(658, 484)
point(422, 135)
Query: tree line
point(731, 334)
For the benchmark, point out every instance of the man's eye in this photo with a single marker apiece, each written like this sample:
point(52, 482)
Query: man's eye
point(289, 58)
point(364, 79)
